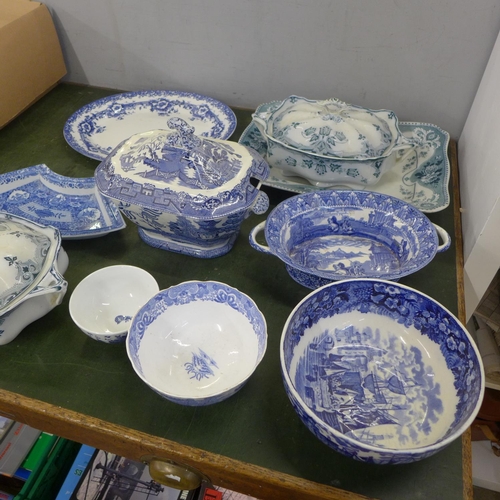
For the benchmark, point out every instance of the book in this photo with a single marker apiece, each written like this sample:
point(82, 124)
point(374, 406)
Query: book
point(15, 446)
point(232, 495)
point(98, 474)
point(39, 450)
point(38, 453)
point(76, 471)
point(5, 425)
point(209, 493)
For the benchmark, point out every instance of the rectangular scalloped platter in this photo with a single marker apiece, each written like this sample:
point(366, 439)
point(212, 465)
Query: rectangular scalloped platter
point(72, 205)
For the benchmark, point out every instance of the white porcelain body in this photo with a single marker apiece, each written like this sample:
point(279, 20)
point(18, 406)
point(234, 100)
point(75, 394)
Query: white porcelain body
point(380, 372)
point(186, 193)
point(17, 319)
point(197, 343)
point(327, 161)
point(30, 268)
point(103, 304)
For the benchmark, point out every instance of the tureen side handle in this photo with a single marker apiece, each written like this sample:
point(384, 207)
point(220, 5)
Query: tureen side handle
point(52, 282)
point(260, 120)
point(253, 239)
point(442, 233)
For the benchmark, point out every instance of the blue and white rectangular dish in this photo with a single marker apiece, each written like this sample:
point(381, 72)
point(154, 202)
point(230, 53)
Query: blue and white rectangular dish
point(72, 205)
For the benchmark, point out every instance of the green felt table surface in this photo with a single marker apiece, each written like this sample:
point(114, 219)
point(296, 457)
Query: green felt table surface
point(53, 361)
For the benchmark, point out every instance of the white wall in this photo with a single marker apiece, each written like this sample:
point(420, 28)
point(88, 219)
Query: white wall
point(422, 59)
point(479, 161)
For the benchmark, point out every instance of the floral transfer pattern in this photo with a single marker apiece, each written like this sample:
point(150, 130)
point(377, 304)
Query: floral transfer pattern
point(85, 130)
point(422, 179)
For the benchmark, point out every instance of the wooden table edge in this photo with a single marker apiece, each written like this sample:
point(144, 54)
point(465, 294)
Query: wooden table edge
point(455, 174)
point(228, 473)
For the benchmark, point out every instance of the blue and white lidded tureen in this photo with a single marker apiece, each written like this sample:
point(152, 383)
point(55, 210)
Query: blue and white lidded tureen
point(330, 142)
point(31, 265)
point(187, 194)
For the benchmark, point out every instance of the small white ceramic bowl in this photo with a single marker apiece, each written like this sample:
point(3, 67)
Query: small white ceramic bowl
point(198, 342)
point(103, 304)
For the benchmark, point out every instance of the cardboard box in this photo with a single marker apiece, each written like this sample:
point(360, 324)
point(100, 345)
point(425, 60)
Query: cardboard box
point(31, 60)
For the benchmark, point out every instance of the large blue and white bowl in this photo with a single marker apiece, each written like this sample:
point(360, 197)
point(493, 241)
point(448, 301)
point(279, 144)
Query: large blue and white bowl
point(198, 342)
point(332, 235)
point(379, 371)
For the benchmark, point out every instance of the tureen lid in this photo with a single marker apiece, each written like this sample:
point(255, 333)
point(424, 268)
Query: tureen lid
point(27, 253)
point(179, 172)
point(331, 127)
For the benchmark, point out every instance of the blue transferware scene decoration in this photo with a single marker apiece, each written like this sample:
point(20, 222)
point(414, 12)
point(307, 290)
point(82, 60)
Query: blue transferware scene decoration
point(98, 127)
point(186, 193)
point(332, 235)
point(72, 205)
point(379, 371)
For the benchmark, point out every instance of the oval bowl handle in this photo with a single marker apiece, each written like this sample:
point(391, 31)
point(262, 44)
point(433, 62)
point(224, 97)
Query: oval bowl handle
point(443, 234)
point(252, 238)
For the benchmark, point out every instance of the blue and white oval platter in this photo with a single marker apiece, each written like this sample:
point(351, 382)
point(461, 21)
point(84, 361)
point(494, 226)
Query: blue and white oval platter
point(98, 127)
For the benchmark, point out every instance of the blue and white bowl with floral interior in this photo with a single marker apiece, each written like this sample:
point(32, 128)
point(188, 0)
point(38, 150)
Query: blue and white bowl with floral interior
point(380, 372)
point(329, 142)
point(31, 268)
point(103, 304)
point(197, 343)
point(187, 193)
point(332, 235)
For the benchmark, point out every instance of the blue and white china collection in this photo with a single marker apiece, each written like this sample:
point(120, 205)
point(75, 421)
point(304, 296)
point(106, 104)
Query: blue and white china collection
point(376, 370)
